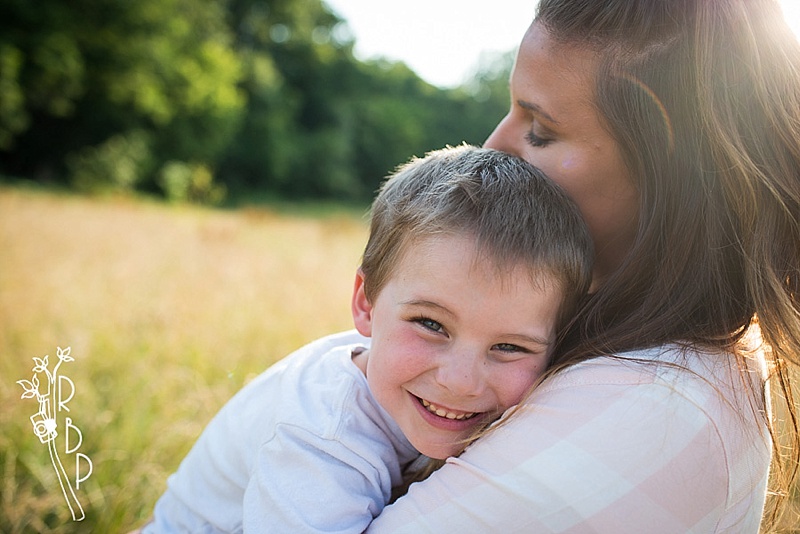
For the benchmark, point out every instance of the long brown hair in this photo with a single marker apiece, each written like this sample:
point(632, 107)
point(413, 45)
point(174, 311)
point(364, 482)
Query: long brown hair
point(703, 97)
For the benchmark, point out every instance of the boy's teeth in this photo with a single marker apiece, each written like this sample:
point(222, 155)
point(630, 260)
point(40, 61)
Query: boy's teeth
point(444, 413)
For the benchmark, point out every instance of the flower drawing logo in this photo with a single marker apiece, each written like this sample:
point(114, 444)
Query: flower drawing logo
point(52, 401)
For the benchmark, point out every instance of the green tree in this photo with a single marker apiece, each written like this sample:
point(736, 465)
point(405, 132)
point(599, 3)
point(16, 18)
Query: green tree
point(399, 115)
point(90, 71)
point(295, 137)
point(188, 97)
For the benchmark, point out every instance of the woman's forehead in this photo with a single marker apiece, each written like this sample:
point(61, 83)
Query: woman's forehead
point(555, 77)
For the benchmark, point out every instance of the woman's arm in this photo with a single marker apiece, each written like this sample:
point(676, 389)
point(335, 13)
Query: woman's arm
point(603, 448)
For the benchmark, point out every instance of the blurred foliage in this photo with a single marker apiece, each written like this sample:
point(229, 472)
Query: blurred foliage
point(190, 98)
point(182, 182)
point(117, 164)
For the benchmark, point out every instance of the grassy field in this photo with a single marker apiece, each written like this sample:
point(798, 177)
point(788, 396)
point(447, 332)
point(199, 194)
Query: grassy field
point(168, 311)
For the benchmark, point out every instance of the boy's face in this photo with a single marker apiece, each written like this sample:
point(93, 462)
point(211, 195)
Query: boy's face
point(454, 344)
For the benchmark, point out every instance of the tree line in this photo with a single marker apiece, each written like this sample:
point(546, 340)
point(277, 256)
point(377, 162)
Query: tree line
point(191, 99)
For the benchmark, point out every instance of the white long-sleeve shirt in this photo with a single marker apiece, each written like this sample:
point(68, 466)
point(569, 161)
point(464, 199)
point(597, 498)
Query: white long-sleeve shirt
point(303, 448)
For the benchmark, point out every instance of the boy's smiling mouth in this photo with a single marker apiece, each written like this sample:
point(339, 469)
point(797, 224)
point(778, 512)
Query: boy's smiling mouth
point(445, 414)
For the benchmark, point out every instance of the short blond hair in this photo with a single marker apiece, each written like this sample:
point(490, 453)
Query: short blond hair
point(517, 216)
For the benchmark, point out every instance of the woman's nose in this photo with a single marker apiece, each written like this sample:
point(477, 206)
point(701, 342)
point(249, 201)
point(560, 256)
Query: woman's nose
point(501, 138)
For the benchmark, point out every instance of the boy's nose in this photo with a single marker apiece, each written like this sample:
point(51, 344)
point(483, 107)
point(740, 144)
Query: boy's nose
point(461, 373)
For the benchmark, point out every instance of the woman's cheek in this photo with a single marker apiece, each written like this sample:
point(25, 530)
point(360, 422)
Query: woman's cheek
point(569, 164)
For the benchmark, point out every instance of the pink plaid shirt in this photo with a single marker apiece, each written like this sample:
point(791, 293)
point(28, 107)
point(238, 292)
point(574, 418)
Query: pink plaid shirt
point(609, 446)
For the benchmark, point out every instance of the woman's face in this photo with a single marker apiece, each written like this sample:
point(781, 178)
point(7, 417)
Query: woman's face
point(553, 123)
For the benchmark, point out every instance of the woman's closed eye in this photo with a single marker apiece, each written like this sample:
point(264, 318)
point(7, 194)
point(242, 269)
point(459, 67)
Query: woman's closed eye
point(537, 140)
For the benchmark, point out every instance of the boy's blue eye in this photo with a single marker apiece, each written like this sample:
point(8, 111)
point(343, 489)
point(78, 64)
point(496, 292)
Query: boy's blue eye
point(430, 324)
point(508, 347)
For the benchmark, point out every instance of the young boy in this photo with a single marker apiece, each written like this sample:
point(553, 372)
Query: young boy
point(473, 262)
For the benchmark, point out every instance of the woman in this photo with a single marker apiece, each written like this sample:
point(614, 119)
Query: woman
point(675, 126)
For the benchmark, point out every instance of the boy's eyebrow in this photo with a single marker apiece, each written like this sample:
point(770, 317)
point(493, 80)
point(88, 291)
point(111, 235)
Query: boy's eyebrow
point(536, 109)
point(428, 304)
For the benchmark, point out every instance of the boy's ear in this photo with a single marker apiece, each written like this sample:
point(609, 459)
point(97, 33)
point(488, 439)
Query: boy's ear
point(361, 307)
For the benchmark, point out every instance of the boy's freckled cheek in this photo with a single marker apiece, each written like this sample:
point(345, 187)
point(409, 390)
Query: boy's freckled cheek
point(522, 383)
point(408, 349)
point(405, 338)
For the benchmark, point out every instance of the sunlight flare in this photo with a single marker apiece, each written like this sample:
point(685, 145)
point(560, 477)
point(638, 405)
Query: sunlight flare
point(791, 12)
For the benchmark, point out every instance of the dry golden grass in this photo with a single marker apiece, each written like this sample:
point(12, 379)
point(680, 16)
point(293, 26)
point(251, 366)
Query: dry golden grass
point(168, 311)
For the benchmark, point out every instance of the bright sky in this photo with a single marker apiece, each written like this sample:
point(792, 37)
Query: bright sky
point(441, 40)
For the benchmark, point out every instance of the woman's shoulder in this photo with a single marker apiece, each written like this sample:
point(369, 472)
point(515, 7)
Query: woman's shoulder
point(684, 401)
point(680, 368)
point(653, 419)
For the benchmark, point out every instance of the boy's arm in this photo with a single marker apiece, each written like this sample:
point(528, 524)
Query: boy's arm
point(306, 483)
